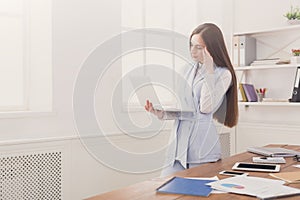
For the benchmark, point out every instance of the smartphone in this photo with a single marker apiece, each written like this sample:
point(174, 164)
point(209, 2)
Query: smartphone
point(231, 173)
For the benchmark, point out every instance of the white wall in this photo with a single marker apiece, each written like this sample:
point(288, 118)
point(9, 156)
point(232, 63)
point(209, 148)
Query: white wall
point(78, 26)
point(257, 15)
point(218, 12)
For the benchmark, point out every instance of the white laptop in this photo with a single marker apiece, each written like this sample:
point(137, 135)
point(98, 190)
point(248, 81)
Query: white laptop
point(148, 93)
point(273, 152)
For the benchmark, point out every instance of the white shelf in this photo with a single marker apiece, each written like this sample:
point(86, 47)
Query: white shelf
point(267, 31)
point(268, 104)
point(257, 67)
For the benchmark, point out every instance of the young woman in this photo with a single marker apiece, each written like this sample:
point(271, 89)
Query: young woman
point(214, 92)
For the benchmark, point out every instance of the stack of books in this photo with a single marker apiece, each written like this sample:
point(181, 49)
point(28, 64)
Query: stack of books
point(270, 61)
point(274, 100)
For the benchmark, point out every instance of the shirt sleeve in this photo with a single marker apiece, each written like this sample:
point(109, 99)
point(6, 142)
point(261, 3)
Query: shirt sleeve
point(213, 91)
point(170, 115)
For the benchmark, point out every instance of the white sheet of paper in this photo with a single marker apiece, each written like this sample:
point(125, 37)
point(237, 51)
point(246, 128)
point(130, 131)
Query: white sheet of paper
point(254, 186)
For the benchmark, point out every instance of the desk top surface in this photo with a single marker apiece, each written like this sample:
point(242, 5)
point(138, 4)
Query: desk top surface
point(147, 189)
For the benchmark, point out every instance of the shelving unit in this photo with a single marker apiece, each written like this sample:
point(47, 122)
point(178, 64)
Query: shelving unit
point(249, 72)
point(276, 120)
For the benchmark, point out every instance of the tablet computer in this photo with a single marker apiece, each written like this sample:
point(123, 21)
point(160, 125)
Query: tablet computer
point(256, 167)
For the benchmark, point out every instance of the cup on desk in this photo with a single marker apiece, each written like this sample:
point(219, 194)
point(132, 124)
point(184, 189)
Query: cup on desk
point(260, 96)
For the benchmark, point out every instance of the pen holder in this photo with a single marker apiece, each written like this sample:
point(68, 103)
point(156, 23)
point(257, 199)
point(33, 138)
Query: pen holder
point(260, 96)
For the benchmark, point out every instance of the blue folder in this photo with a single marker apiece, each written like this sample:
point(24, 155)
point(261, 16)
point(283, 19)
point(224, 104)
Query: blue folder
point(186, 186)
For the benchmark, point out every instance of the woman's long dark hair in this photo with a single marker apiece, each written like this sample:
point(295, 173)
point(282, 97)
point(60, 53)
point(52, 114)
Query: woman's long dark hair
point(214, 42)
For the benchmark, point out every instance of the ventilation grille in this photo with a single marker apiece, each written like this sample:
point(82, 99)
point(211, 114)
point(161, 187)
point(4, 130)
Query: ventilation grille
point(31, 177)
point(225, 144)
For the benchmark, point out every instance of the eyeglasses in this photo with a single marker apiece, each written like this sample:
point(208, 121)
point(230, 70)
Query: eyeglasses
point(297, 158)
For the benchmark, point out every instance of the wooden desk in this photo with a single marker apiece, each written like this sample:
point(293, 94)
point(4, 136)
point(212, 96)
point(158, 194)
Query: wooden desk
point(146, 189)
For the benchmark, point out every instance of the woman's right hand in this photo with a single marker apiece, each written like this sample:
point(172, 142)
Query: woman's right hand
point(149, 108)
point(208, 61)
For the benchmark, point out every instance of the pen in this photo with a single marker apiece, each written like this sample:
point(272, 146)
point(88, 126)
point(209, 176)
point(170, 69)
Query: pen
point(262, 90)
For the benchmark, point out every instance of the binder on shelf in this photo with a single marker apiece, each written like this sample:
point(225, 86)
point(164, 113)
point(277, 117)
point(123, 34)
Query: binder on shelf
point(236, 51)
point(250, 92)
point(247, 46)
point(296, 90)
point(242, 91)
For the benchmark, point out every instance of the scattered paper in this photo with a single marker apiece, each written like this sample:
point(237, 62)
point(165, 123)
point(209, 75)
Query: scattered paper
point(254, 186)
point(298, 166)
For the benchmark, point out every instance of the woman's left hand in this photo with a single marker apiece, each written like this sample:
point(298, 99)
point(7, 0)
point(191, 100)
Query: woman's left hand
point(149, 108)
point(208, 61)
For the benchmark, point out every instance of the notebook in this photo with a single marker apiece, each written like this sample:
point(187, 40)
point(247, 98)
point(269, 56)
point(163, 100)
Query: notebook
point(186, 186)
point(243, 92)
point(273, 152)
point(250, 92)
point(289, 177)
